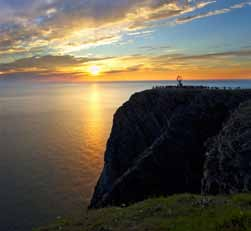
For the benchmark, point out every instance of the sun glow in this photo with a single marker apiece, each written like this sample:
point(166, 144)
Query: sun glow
point(94, 70)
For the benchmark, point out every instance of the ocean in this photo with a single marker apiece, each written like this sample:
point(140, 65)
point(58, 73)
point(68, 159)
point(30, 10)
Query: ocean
point(52, 142)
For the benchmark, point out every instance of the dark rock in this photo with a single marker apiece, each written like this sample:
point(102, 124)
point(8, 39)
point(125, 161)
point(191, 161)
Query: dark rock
point(228, 162)
point(157, 141)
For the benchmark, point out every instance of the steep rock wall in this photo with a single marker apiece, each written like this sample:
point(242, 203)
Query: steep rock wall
point(156, 146)
point(228, 160)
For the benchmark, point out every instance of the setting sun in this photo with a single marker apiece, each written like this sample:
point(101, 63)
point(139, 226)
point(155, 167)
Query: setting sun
point(94, 70)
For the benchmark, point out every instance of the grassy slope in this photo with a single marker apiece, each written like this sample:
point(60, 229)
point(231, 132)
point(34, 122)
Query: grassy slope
point(175, 213)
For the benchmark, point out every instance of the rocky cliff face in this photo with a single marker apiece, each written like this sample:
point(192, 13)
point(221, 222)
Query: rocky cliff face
point(157, 142)
point(228, 160)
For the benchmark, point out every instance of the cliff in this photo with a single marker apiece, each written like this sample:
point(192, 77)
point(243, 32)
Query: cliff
point(228, 159)
point(157, 144)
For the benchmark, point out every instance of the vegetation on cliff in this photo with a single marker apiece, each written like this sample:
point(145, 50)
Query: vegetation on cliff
point(177, 213)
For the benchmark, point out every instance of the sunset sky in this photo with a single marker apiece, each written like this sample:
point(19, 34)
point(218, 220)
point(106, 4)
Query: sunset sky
point(84, 40)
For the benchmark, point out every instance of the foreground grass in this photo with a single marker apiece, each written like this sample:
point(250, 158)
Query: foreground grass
point(175, 213)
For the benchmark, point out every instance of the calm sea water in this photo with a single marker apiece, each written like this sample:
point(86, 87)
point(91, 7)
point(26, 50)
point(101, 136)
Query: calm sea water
point(52, 140)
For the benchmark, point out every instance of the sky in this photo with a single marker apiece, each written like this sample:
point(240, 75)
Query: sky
point(86, 40)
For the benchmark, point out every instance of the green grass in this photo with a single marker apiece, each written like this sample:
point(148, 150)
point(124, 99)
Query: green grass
point(176, 213)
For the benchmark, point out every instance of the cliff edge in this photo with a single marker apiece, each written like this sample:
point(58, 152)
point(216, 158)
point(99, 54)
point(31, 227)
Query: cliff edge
point(159, 143)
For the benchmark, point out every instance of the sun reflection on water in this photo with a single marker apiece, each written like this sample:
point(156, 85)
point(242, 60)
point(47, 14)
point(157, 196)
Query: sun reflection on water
point(96, 128)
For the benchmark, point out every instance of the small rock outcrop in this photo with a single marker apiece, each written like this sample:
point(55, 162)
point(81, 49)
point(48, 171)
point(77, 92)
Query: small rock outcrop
point(228, 160)
point(157, 144)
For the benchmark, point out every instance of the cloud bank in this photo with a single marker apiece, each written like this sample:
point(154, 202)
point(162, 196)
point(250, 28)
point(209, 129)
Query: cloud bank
point(42, 36)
